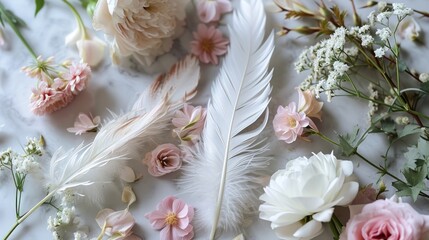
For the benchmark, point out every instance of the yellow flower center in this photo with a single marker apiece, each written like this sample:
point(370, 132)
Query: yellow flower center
point(171, 218)
point(207, 45)
point(292, 122)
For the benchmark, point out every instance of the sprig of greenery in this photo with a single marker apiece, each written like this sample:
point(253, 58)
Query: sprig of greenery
point(39, 5)
point(89, 5)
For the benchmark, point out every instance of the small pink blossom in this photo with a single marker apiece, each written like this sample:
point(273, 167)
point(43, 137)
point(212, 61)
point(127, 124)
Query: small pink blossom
point(208, 43)
point(84, 123)
point(46, 99)
point(308, 104)
point(210, 10)
point(387, 219)
point(77, 77)
point(165, 158)
point(173, 217)
point(118, 224)
point(189, 122)
point(289, 124)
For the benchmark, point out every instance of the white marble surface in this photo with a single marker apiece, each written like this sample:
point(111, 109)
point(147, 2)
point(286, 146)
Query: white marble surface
point(116, 88)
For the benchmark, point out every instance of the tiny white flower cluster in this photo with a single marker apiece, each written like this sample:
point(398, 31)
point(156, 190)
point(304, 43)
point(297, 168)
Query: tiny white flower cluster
point(402, 120)
point(34, 147)
point(66, 216)
point(385, 12)
point(26, 164)
point(373, 95)
point(6, 157)
point(380, 52)
point(326, 60)
point(424, 77)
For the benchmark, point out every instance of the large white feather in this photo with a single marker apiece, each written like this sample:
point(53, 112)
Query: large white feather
point(222, 175)
point(123, 136)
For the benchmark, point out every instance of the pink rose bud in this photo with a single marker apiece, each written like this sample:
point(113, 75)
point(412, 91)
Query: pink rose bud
point(165, 158)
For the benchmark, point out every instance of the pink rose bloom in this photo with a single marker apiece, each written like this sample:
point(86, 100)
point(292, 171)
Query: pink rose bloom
point(289, 124)
point(387, 219)
point(77, 77)
point(84, 123)
point(208, 43)
point(308, 104)
point(118, 224)
point(210, 10)
point(189, 122)
point(45, 99)
point(173, 217)
point(165, 158)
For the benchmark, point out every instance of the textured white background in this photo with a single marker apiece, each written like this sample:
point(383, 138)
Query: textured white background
point(116, 88)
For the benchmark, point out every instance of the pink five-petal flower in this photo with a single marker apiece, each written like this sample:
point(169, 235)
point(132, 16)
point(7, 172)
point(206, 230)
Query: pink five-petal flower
point(210, 10)
point(84, 123)
point(387, 219)
point(118, 224)
point(46, 99)
point(288, 123)
point(173, 217)
point(77, 77)
point(163, 159)
point(189, 122)
point(208, 43)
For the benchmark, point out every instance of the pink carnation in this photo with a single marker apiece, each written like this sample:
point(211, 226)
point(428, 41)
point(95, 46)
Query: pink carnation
point(210, 10)
point(163, 159)
point(77, 77)
point(46, 99)
point(387, 219)
point(173, 217)
point(289, 124)
point(208, 43)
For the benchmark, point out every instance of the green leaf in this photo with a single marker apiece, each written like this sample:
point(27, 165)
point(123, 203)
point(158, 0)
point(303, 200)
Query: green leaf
point(388, 126)
point(408, 130)
point(350, 142)
point(39, 5)
point(89, 5)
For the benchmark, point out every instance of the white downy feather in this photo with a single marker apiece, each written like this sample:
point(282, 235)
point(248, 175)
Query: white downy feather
point(222, 174)
point(122, 137)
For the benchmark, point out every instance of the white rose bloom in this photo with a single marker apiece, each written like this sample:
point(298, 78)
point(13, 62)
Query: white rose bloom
point(144, 29)
point(303, 195)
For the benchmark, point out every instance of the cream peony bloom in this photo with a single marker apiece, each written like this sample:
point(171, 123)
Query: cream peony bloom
point(144, 29)
point(303, 195)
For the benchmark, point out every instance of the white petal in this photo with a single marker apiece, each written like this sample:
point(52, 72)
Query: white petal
point(309, 230)
point(127, 174)
point(73, 37)
point(324, 216)
point(348, 192)
point(91, 51)
point(347, 167)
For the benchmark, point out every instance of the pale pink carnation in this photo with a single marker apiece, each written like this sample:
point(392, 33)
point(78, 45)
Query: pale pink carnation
point(211, 10)
point(165, 158)
point(289, 123)
point(77, 77)
point(387, 219)
point(173, 217)
point(117, 223)
point(208, 44)
point(46, 99)
point(84, 123)
point(189, 122)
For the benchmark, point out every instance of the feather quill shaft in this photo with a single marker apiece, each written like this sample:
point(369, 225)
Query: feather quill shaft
point(223, 171)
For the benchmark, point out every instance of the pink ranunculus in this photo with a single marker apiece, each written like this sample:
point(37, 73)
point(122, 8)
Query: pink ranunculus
point(46, 99)
point(77, 77)
point(387, 219)
point(289, 124)
point(118, 224)
point(84, 123)
point(189, 122)
point(208, 43)
point(173, 217)
point(163, 159)
point(211, 10)
point(308, 104)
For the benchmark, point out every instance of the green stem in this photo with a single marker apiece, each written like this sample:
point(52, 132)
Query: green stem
point(17, 32)
point(78, 18)
point(26, 215)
